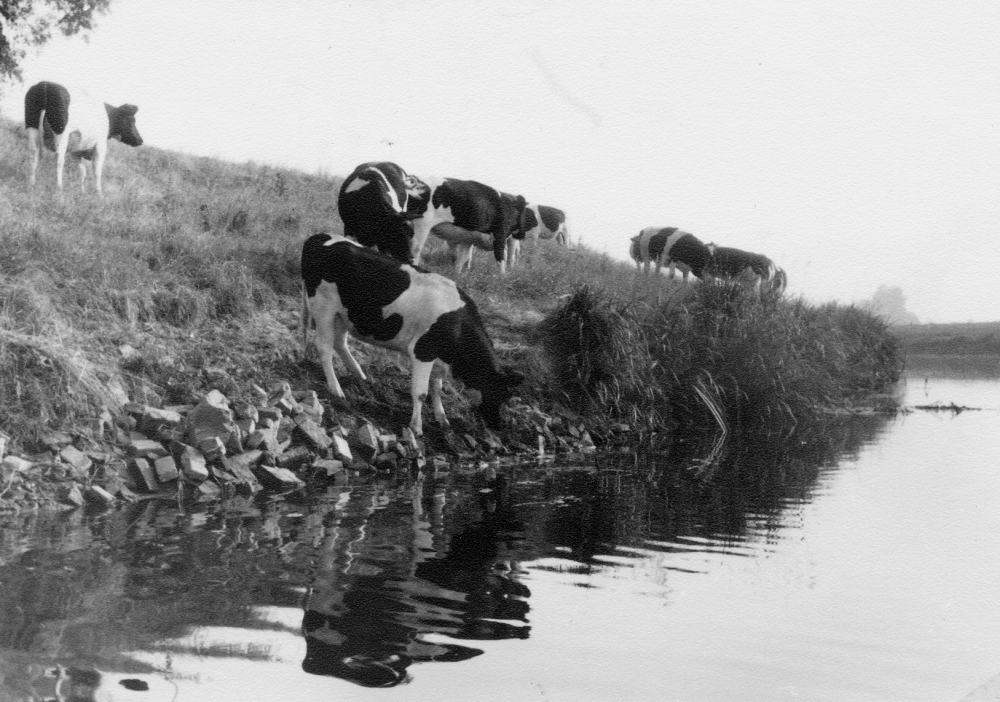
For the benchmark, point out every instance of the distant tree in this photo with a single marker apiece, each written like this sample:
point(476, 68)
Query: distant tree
point(28, 23)
point(890, 303)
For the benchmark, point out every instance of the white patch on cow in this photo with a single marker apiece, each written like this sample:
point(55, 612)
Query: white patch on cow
point(428, 297)
point(356, 184)
point(390, 191)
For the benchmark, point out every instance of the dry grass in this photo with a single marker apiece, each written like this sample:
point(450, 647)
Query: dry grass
point(185, 277)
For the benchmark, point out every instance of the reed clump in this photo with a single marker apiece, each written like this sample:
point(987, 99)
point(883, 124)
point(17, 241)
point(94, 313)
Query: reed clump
point(724, 356)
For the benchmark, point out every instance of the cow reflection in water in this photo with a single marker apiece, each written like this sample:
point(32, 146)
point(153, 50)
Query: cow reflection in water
point(381, 585)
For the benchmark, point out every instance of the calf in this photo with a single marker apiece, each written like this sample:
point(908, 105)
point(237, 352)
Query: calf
point(348, 289)
point(468, 214)
point(373, 202)
point(671, 246)
point(538, 222)
point(52, 113)
point(733, 264)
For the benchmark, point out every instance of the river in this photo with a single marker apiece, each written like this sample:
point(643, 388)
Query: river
point(859, 563)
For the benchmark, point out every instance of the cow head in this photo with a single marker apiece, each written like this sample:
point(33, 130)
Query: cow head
point(495, 395)
point(121, 124)
point(418, 196)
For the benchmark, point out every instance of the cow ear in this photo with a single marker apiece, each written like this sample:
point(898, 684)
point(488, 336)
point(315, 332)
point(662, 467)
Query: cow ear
point(521, 202)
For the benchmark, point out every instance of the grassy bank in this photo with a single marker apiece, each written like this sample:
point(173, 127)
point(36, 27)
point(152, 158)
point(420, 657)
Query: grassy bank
point(957, 339)
point(185, 279)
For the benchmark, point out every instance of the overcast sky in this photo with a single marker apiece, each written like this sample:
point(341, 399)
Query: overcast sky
point(855, 143)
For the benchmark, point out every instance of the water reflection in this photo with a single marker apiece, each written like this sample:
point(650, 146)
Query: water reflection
point(386, 573)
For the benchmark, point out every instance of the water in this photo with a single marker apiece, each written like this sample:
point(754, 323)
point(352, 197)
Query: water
point(859, 564)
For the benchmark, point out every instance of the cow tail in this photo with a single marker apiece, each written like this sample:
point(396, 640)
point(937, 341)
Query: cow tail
point(304, 322)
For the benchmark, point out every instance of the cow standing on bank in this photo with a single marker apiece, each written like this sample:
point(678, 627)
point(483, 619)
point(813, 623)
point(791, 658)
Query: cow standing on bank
point(669, 246)
point(374, 203)
point(348, 289)
point(468, 215)
point(736, 264)
point(52, 114)
point(538, 222)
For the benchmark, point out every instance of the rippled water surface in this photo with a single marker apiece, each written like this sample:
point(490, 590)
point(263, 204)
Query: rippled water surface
point(859, 563)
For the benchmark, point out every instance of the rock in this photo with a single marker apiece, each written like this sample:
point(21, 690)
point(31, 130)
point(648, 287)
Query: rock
point(281, 397)
point(193, 464)
point(312, 431)
point(217, 399)
point(209, 489)
point(212, 447)
point(278, 478)
point(76, 458)
point(4, 440)
point(247, 426)
point(71, 495)
point(145, 475)
point(294, 458)
point(166, 469)
point(208, 420)
point(271, 413)
point(328, 467)
point(364, 442)
point(239, 467)
point(55, 440)
point(146, 448)
point(245, 410)
point(152, 419)
point(99, 497)
point(340, 449)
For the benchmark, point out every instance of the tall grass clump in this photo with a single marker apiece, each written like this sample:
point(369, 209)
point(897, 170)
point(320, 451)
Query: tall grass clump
point(724, 356)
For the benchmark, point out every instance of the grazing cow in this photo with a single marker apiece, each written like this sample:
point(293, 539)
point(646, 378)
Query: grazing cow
point(672, 246)
point(538, 222)
point(373, 202)
point(52, 114)
point(348, 289)
point(736, 264)
point(468, 214)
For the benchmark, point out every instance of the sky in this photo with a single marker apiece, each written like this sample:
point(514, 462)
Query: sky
point(856, 143)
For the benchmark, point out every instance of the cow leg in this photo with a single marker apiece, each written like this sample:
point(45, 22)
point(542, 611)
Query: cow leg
point(340, 344)
point(421, 229)
point(34, 148)
point(439, 415)
point(100, 153)
point(326, 331)
point(62, 142)
point(420, 375)
point(461, 254)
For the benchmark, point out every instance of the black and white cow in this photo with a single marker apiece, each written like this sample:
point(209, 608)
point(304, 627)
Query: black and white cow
point(373, 202)
point(52, 114)
point(538, 222)
point(468, 214)
point(669, 246)
point(736, 264)
point(348, 289)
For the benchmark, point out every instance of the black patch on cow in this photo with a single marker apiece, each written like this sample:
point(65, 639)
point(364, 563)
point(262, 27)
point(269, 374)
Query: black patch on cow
point(690, 251)
point(51, 98)
point(121, 124)
point(134, 684)
point(728, 262)
point(366, 282)
point(551, 217)
point(658, 242)
point(528, 220)
point(368, 215)
point(459, 339)
point(480, 208)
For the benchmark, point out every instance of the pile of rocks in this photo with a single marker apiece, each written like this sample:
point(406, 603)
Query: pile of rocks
point(208, 450)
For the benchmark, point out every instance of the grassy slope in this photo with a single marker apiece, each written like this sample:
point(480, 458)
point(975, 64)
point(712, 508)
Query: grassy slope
point(185, 278)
